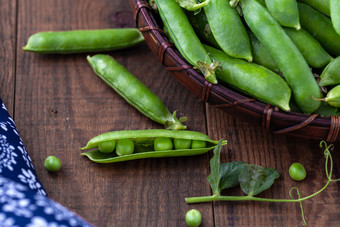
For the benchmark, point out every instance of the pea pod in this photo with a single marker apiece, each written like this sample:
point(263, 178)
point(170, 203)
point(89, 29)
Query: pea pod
point(333, 97)
point(261, 55)
point(144, 144)
point(310, 48)
point(202, 28)
point(252, 79)
point(286, 55)
point(185, 39)
point(320, 26)
point(322, 6)
point(77, 41)
point(335, 14)
point(285, 12)
point(133, 91)
point(192, 5)
point(331, 74)
point(228, 30)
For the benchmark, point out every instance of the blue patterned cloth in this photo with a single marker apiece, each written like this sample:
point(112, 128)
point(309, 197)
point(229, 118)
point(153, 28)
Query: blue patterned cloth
point(23, 199)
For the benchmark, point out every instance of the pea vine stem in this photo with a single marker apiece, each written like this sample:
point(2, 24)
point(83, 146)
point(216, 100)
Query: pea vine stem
point(212, 198)
point(328, 168)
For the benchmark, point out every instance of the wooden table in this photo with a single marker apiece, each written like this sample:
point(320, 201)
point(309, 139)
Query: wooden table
point(58, 103)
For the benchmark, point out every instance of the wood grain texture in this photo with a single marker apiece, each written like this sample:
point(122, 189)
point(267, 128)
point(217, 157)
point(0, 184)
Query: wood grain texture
point(59, 104)
point(8, 21)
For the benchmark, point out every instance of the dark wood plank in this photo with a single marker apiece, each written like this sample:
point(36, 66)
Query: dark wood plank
point(251, 144)
point(7, 52)
point(61, 104)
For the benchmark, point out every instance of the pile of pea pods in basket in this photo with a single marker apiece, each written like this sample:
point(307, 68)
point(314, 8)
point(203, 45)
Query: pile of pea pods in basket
point(284, 53)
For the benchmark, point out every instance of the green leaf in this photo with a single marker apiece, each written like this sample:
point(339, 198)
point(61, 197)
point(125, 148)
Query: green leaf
point(255, 179)
point(214, 177)
point(229, 174)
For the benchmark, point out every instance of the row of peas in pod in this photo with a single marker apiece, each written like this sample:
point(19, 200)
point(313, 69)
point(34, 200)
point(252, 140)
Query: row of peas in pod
point(281, 52)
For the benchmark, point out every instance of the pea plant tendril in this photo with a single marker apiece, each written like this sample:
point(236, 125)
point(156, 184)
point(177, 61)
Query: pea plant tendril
point(253, 180)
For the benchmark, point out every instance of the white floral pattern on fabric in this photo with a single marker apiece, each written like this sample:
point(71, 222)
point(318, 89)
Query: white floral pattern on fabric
point(7, 222)
point(41, 222)
point(30, 179)
point(7, 156)
point(20, 206)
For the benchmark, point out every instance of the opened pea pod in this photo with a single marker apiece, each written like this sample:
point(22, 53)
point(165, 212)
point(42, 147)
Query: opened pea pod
point(151, 143)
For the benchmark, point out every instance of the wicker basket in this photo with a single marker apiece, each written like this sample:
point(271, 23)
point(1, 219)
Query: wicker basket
point(269, 117)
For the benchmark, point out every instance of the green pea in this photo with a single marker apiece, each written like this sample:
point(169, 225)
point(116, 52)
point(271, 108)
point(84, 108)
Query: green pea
point(52, 164)
point(182, 143)
point(107, 146)
point(198, 144)
point(163, 144)
point(193, 218)
point(297, 171)
point(77, 41)
point(124, 147)
point(287, 56)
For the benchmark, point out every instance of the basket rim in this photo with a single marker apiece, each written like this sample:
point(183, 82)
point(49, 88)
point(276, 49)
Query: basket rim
point(146, 22)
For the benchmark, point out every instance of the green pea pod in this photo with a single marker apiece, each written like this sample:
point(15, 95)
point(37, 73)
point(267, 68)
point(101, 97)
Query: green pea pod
point(261, 55)
point(333, 97)
point(320, 26)
point(331, 74)
point(286, 55)
point(323, 6)
point(335, 14)
point(185, 39)
point(202, 28)
point(144, 144)
point(252, 79)
point(285, 12)
point(310, 48)
point(228, 30)
point(133, 91)
point(77, 41)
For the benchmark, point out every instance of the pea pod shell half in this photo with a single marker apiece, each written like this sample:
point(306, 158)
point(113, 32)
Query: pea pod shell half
point(78, 41)
point(144, 142)
point(252, 79)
